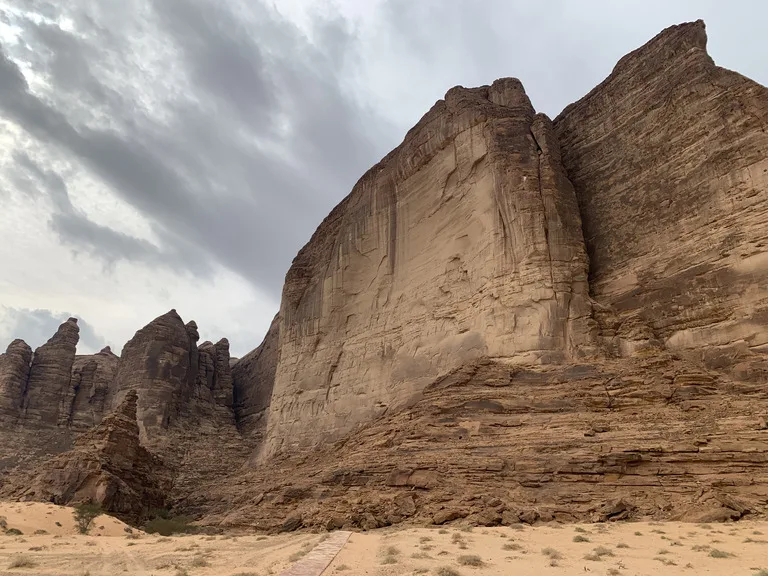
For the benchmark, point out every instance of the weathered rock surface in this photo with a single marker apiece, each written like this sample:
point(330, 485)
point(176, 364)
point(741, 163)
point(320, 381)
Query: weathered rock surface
point(669, 158)
point(47, 399)
point(108, 466)
point(14, 373)
point(463, 242)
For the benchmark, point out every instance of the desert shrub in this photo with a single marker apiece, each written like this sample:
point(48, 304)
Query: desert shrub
point(341, 567)
point(199, 562)
point(512, 546)
point(470, 560)
point(298, 555)
point(603, 551)
point(85, 514)
point(592, 557)
point(580, 530)
point(40, 532)
point(622, 545)
point(447, 571)
point(665, 561)
point(762, 572)
point(13, 532)
point(442, 531)
point(22, 561)
point(715, 553)
point(580, 538)
point(552, 553)
point(169, 526)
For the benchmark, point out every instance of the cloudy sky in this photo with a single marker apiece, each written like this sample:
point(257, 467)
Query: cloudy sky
point(159, 154)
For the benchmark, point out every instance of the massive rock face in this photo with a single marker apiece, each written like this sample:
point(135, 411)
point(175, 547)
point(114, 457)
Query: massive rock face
point(669, 158)
point(465, 241)
point(108, 466)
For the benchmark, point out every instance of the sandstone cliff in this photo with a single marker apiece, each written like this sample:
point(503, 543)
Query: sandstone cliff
point(464, 242)
point(669, 158)
point(445, 347)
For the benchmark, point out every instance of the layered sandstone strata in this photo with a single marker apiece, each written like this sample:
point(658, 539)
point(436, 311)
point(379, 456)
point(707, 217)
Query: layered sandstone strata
point(669, 158)
point(463, 242)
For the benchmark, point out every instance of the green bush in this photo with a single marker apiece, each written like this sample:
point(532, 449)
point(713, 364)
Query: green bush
point(85, 514)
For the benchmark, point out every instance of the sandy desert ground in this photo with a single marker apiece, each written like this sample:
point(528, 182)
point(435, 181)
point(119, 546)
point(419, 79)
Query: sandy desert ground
point(49, 544)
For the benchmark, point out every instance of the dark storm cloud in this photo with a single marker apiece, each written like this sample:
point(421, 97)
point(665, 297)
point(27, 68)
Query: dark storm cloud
point(35, 327)
point(235, 164)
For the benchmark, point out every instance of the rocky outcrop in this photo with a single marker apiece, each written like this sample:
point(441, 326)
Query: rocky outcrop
point(176, 382)
point(669, 158)
point(91, 388)
point(107, 466)
point(14, 373)
point(463, 242)
point(655, 437)
point(253, 377)
point(47, 399)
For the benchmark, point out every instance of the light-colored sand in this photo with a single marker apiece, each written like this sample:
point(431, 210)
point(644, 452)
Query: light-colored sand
point(64, 552)
point(633, 549)
point(668, 548)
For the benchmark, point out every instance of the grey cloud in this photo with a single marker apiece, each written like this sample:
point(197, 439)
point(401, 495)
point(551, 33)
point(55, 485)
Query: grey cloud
point(35, 327)
point(240, 170)
point(73, 226)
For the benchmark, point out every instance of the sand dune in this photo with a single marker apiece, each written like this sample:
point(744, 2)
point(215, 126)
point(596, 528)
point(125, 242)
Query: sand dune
point(50, 545)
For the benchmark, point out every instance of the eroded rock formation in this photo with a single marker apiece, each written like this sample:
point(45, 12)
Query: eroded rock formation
point(669, 157)
point(108, 466)
point(14, 373)
point(48, 386)
point(173, 377)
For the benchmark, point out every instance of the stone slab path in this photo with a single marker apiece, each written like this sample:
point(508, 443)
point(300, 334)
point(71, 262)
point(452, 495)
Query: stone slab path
point(320, 557)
